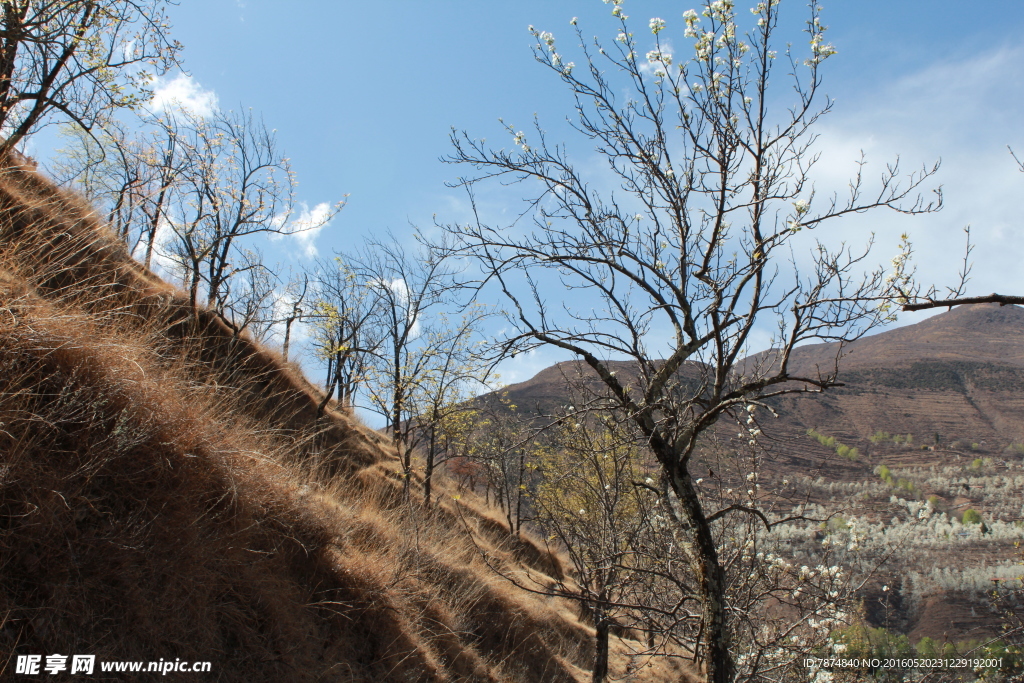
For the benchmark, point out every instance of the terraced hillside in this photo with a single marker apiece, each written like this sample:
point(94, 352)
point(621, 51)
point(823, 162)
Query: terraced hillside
point(929, 424)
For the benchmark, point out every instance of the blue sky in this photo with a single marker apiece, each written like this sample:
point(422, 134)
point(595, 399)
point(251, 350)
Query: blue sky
point(363, 96)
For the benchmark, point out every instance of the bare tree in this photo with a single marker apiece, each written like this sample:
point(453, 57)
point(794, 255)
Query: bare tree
point(588, 503)
point(216, 185)
point(457, 370)
point(294, 299)
point(410, 291)
point(162, 158)
point(503, 442)
point(130, 175)
point(105, 168)
point(595, 492)
point(698, 250)
point(344, 332)
point(249, 299)
point(78, 60)
point(235, 185)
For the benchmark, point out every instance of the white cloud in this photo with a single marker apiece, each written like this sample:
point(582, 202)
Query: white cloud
point(964, 113)
point(164, 263)
point(305, 226)
point(183, 93)
point(525, 366)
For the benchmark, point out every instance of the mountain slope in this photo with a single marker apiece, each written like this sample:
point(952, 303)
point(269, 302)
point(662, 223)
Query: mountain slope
point(167, 491)
point(958, 374)
point(987, 333)
point(938, 404)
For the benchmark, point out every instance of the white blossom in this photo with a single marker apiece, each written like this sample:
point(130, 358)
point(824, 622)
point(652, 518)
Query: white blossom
point(520, 139)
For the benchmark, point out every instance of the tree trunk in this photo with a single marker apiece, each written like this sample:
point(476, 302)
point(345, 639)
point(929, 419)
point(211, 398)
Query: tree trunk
point(397, 401)
point(603, 626)
point(193, 290)
point(331, 383)
point(519, 490)
point(710, 581)
point(287, 337)
point(428, 471)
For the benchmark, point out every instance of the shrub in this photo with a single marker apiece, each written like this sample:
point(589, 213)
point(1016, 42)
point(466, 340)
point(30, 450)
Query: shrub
point(880, 437)
point(905, 485)
point(926, 647)
point(842, 450)
point(863, 641)
point(838, 523)
point(971, 516)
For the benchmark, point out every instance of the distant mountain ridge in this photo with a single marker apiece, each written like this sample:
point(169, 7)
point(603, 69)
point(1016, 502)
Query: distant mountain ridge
point(956, 375)
point(985, 333)
point(986, 340)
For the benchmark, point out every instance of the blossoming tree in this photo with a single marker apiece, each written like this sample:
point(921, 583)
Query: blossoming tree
point(78, 60)
point(713, 233)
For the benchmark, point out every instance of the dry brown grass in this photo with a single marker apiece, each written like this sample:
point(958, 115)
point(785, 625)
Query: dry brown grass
point(167, 491)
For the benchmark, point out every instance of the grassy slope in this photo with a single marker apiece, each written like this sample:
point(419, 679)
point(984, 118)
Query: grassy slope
point(167, 491)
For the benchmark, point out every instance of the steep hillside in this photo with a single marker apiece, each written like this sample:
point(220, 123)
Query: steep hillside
point(168, 491)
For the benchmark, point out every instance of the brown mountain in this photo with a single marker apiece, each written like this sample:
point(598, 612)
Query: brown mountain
point(974, 334)
point(958, 375)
